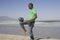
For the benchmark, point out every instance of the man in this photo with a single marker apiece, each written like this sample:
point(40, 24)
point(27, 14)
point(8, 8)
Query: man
point(30, 22)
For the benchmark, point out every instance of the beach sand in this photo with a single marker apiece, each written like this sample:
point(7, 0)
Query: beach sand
point(18, 37)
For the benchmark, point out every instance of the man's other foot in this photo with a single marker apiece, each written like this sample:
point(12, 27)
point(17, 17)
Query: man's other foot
point(32, 37)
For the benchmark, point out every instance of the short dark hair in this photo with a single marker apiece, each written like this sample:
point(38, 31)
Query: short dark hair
point(31, 4)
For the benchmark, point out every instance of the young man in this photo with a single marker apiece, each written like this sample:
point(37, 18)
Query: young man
point(30, 22)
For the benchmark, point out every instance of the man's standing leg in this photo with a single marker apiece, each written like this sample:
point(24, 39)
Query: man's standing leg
point(31, 25)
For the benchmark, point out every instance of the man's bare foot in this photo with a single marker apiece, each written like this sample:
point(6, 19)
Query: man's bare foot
point(25, 33)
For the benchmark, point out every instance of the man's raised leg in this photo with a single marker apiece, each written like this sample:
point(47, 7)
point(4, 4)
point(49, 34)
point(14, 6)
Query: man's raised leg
point(23, 27)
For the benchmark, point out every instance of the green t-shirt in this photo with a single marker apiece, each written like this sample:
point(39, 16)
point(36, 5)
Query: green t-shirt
point(32, 12)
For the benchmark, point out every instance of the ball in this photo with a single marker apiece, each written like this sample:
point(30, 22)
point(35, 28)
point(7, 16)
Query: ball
point(21, 19)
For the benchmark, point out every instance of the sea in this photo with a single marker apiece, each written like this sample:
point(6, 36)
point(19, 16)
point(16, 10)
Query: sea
point(41, 29)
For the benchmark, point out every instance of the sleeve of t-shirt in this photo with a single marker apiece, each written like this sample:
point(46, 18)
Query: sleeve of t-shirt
point(34, 11)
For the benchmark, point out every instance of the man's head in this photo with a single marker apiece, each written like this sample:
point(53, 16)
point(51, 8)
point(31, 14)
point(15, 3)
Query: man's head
point(30, 5)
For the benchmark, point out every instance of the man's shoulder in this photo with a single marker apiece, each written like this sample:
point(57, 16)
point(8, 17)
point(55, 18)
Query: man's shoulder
point(33, 9)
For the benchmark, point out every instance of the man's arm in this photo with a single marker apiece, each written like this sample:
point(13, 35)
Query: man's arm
point(34, 17)
point(28, 21)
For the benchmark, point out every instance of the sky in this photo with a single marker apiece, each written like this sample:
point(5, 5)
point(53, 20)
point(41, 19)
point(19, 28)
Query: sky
point(46, 9)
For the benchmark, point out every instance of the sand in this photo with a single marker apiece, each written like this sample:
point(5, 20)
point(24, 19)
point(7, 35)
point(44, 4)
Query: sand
point(18, 37)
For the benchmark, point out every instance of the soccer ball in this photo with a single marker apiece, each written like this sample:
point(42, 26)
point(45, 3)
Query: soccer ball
point(21, 19)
